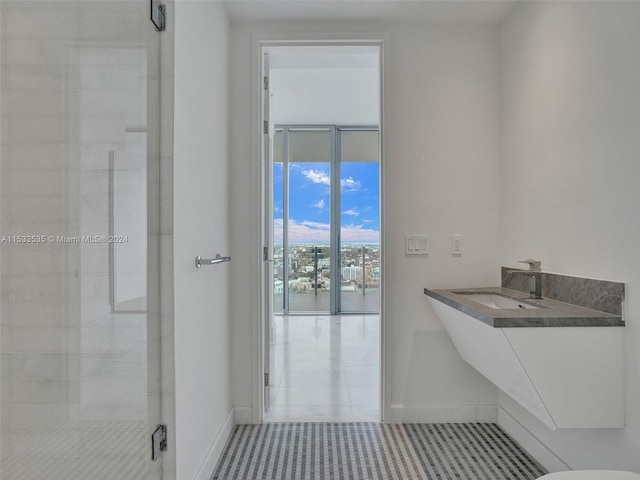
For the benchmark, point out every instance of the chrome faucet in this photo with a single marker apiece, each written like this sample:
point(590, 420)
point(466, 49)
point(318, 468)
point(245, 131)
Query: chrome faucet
point(535, 271)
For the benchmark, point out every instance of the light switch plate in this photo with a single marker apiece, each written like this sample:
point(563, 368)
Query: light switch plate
point(416, 245)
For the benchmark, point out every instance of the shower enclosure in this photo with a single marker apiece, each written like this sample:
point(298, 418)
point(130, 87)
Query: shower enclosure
point(85, 380)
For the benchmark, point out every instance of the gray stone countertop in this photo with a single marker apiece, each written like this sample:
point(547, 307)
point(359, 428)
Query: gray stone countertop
point(550, 313)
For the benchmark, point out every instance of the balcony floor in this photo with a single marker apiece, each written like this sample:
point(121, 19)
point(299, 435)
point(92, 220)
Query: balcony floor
point(354, 302)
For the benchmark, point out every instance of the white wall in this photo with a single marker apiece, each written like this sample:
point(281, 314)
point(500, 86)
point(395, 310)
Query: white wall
point(571, 116)
point(325, 95)
point(201, 224)
point(442, 177)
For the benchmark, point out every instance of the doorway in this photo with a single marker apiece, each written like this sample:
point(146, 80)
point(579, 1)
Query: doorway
point(321, 228)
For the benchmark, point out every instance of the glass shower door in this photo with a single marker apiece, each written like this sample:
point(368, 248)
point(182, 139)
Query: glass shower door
point(80, 320)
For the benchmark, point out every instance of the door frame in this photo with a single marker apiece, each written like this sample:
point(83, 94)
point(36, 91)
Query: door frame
point(260, 42)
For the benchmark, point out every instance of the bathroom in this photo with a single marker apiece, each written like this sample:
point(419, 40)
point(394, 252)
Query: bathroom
point(513, 124)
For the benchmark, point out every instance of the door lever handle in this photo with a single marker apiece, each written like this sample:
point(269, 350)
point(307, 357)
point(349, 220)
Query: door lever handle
point(211, 261)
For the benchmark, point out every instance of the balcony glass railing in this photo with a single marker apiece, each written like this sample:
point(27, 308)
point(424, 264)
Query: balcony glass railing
point(360, 277)
point(309, 283)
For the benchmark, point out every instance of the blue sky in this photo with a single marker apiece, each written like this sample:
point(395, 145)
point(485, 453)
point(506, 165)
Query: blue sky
point(309, 202)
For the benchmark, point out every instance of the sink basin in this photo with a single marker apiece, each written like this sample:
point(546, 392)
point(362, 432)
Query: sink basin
point(498, 302)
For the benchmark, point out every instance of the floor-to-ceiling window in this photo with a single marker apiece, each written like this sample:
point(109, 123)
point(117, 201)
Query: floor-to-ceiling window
point(326, 219)
point(359, 219)
point(303, 176)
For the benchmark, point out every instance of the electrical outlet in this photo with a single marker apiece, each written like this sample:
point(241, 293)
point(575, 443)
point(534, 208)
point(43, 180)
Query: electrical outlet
point(456, 245)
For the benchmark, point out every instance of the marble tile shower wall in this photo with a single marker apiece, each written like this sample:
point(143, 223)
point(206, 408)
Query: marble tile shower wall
point(85, 328)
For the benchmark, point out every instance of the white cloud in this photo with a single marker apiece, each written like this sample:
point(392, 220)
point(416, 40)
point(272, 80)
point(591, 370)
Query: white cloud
point(321, 177)
point(350, 184)
point(357, 233)
point(353, 212)
point(316, 225)
point(317, 176)
point(308, 232)
point(319, 204)
point(303, 232)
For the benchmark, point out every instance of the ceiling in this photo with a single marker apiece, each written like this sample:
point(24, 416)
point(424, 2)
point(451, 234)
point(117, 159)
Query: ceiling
point(395, 11)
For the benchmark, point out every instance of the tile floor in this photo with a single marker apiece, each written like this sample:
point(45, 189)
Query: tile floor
point(325, 369)
point(374, 451)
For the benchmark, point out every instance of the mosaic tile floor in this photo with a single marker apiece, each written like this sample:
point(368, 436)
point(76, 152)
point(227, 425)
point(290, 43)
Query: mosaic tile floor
point(370, 451)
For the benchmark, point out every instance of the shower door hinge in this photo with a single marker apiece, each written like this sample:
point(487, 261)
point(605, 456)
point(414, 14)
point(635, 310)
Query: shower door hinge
point(158, 16)
point(265, 82)
point(266, 379)
point(158, 442)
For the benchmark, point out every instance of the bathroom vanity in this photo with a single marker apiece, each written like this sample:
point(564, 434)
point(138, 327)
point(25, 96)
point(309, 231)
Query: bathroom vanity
point(560, 357)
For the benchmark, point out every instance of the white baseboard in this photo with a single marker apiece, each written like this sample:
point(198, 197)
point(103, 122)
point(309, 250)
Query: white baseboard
point(243, 415)
point(208, 465)
point(444, 414)
point(530, 442)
